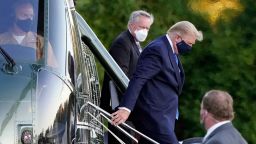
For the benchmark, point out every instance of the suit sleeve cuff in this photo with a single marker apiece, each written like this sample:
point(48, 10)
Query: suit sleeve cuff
point(124, 108)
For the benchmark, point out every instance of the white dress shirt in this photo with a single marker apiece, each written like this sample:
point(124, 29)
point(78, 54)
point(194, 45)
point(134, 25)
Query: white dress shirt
point(169, 40)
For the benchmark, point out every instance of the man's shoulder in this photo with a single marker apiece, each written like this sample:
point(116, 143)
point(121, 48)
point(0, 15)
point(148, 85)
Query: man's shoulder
point(157, 44)
point(124, 37)
point(33, 34)
point(5, 37)
point(4, 34)
point(158, 41)
point(225, 134)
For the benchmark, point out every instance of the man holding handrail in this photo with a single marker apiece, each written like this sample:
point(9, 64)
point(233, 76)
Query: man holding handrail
point(152, 94)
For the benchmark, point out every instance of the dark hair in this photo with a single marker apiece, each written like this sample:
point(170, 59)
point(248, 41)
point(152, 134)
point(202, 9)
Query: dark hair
point(219, 104)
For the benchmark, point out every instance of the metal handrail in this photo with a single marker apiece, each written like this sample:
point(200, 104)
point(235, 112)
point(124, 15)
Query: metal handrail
point(124, 124)
point(120, 128)
point(106, 128)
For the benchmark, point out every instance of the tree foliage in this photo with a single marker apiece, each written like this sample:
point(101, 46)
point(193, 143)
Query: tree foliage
point(225, 59)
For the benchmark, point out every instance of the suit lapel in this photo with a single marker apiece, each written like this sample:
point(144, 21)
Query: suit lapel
point(174, 64)
point(136, 48)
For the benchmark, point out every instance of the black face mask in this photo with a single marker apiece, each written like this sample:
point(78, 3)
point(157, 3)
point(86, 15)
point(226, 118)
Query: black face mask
point(183, 47)
point(25, 25)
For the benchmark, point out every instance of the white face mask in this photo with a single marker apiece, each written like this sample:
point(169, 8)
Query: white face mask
point(141, 34)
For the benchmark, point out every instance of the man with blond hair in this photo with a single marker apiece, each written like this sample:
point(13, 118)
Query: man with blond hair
point(152, 94)
point(216, 115)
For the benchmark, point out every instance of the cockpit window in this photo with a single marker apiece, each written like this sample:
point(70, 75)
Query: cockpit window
point(22, 32)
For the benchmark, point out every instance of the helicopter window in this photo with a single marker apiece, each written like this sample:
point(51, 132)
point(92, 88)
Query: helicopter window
point(17, 32)
point(22, 32)
point(56, 31)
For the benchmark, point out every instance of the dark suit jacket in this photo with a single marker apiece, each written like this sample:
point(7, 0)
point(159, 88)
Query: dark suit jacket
point(153, 92)
point(225, 134)
point(125, 52)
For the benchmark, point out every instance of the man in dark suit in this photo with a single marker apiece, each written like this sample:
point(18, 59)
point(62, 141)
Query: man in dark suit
point(216, 115)
point(152, 94)
point(125, 50)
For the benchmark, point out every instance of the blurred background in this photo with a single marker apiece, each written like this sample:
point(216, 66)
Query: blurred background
point(224, 60)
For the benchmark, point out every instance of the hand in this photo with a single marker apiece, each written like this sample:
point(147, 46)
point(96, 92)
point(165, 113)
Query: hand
point(119, 116)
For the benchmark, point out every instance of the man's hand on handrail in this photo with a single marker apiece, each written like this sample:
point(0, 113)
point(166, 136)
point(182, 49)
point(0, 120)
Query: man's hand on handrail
point(119, 116)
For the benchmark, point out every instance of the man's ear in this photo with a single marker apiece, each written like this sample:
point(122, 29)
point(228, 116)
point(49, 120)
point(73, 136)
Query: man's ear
point(177, 38)
point(131, 28)
point(205, 112)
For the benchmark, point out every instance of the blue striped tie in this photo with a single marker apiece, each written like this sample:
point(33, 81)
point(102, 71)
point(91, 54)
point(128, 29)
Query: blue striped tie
point(176, 59)
point(177, 62)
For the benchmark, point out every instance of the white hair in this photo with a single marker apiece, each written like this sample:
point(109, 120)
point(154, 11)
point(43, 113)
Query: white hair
point(134, 17)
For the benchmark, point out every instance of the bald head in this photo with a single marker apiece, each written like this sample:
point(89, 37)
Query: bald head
point(219, 104)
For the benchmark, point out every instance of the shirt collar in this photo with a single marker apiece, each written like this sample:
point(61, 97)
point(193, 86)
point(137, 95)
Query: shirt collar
point(212, 128)
point(170, 42)
point(130, 31)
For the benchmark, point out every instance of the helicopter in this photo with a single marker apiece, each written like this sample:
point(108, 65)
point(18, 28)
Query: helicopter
point(50, 91)
point(46, 91)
